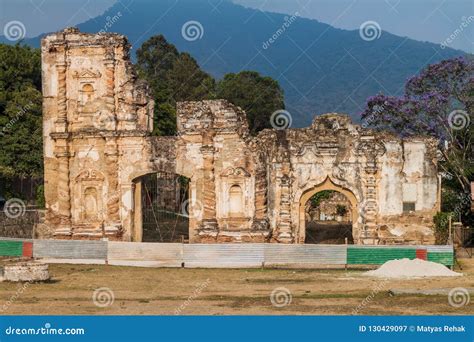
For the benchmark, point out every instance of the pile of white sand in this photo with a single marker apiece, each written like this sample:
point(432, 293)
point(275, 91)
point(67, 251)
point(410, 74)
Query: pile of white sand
point(406, 268)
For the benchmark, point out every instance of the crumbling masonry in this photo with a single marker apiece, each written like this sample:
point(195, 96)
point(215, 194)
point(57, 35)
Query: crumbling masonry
point(97, 143)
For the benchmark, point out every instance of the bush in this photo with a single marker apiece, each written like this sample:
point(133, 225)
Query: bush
point(341, 210)
point(40, 201)
point(441, 221)
point(318, 197)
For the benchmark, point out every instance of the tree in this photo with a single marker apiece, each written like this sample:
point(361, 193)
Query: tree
point(173, 77)
point(257, 95)
point(439, 101)
point(20, 112)
point(176, 76)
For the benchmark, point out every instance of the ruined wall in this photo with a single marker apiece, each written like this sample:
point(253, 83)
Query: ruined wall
point(276, 172)
point(96, 121)
point(214, 151)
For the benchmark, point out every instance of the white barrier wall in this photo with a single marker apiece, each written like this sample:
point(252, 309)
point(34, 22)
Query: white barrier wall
point(226, 255)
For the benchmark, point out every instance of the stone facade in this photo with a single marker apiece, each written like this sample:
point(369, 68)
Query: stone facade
point(97, 144)
point(96, 121)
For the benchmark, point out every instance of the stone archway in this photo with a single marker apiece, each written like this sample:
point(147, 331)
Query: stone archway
point(328, 184)
point(160, 207)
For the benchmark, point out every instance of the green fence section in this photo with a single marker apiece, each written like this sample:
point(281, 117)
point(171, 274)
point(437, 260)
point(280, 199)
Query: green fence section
point(445, 258)
point(365, 255)
point(377, 256)
point(11, 248)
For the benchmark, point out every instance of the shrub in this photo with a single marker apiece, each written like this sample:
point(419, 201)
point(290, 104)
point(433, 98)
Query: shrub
point(40, 201)
point(341, 210)
point(441, 221)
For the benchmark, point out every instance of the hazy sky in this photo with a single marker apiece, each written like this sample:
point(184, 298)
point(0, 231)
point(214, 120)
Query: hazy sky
point(425, 20)
point(39, 16)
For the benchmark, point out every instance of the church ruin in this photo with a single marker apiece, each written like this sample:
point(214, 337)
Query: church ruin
point(97, 124)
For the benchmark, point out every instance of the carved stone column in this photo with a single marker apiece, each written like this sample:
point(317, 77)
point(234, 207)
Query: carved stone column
point(260, 219)
point(283, 178)
point(370, 205)
point(284, 218)
point(370, 150)
point(61, 152)
point(61, 121)
point(209, 220)
point(113, 201)
point(110, 81)
point(64, 197)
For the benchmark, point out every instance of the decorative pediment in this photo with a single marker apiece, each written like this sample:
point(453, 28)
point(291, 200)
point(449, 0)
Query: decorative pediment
point(90, 175)
point(235, 172)
point(86, 73)
point(371, 148)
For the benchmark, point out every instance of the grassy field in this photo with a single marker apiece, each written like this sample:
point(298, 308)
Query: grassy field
point(138, 291)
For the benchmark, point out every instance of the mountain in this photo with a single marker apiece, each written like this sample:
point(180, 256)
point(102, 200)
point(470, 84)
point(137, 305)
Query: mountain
point(321, 68)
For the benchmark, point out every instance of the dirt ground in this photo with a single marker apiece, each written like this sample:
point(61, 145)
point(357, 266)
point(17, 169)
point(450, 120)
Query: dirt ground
point(169, 291)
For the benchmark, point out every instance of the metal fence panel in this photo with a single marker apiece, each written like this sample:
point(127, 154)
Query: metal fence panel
point(441, 254)
point(440, 248)
point(70, 249)
point(221, 255)
point(11, 248)
point(145, 254)
point(224, 255)
point(14, 239)
point(376, 255)
point(278, 254)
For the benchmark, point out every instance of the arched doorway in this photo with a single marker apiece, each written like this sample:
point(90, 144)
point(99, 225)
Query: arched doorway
point(328, 213)
point(161, 208)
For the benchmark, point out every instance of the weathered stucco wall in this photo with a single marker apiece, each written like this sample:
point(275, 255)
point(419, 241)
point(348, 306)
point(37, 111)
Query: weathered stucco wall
point(97, 118)
point(279, 170)
point(98, 143)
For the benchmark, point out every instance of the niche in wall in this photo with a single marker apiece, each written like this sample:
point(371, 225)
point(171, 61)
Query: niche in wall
point(234, 194)
point(88, 197)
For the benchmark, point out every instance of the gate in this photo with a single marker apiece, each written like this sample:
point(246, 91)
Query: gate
point(164, 218)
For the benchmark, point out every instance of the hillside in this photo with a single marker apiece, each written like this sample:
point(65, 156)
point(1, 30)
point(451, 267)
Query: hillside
point(321, 68)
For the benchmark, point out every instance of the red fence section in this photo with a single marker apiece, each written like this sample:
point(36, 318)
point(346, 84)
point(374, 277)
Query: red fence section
point(28, 249)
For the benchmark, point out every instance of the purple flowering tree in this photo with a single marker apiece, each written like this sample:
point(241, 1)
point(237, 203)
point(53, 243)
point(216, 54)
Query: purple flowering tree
point(439, 102)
